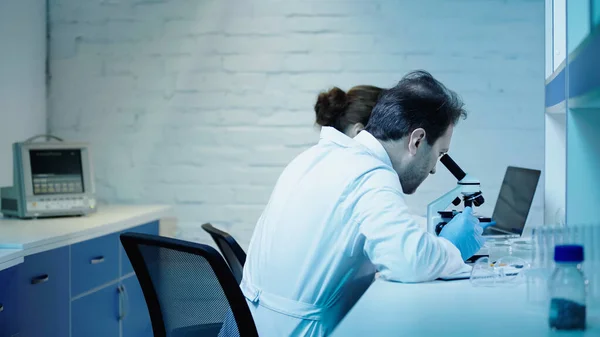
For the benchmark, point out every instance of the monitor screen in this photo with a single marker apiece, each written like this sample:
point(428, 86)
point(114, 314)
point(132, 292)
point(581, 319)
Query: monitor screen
point(56, 171)
point(515, 199)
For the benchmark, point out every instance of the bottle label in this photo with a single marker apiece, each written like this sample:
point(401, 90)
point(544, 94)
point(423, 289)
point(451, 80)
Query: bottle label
point(566, 315)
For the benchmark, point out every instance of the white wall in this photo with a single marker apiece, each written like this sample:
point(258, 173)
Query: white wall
point(555, 169)
point(201, 104)
point(22, 76)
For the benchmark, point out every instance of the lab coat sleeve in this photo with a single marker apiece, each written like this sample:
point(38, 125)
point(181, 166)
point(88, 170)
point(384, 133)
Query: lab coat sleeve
point(396, 244)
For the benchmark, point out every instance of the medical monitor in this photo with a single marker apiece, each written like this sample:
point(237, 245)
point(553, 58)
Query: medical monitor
point(50, 179)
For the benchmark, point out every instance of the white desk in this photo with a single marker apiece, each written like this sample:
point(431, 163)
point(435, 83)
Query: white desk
point(10, 257)
point(20, 238)
point(49, 233)
point(453, 308)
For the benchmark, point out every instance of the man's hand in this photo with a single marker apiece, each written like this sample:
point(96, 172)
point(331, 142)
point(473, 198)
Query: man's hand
point(465, 232)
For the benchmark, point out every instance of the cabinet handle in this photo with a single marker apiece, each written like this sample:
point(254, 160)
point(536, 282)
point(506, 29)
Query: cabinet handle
point(97, 260)
point(1, 308)
point(40, 279)
point(126, 306)
point(121, 291)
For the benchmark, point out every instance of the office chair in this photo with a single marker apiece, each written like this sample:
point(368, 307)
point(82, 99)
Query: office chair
point(231, 250)
point(188, 288)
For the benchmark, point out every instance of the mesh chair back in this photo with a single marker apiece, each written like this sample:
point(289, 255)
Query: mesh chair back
point(231, 250)
point(188, 288)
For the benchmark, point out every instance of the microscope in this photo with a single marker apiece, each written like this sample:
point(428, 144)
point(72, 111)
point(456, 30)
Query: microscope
point(467, 186)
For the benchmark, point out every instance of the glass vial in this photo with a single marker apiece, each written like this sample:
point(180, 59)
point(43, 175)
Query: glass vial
point(567, 289)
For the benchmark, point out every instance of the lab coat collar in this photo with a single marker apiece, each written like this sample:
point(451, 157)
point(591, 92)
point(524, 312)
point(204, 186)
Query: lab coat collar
point(364, 138)
point(374, 146)
point(333, 135)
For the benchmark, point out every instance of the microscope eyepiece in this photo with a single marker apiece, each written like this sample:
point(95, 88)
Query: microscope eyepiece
point(452, 167)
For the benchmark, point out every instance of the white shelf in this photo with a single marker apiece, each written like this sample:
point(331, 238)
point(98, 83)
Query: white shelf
point(572, 134)
point(589, 101)
point(559, 109)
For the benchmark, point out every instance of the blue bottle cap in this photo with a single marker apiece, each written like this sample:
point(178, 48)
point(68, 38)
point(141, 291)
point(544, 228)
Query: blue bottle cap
point(568, 253)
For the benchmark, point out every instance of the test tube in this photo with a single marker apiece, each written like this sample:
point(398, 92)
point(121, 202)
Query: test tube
point(537, 276)
point(535, 253)
point(544, 242)
point(535, 249)
point(595, 235)
point(592, 263)
point(587, 259)
point(553, 235)
point(574, 234)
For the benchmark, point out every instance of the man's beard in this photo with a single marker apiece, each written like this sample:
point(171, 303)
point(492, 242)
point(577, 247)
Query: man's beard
point(414, 175)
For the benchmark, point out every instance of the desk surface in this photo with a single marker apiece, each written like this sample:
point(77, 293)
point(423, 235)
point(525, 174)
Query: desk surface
point(453, 308)
point(26, 234)
point(19, 238)
point(10, 257)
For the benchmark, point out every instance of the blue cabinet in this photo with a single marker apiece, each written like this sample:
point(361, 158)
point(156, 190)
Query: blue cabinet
point(97, 314)
point(87, 289)
point(104, 299)
point(136, 323)
point(9, 303)
point(43, 282)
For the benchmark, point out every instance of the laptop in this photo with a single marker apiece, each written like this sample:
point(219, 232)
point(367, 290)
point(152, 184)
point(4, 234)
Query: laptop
point(514, 202)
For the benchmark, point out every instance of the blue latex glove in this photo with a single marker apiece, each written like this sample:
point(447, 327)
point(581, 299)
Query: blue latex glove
point(465, 232)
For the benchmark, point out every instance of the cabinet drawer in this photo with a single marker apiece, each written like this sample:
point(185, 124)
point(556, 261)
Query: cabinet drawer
point(94, 263)
point(44, 294)
point(149, 228)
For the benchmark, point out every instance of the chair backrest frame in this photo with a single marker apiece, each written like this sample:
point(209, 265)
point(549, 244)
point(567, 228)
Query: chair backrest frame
point(237, 301)
point(218, 237)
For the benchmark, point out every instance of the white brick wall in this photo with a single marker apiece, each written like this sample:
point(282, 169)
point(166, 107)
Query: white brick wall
point(22, 77)
point(201, 103)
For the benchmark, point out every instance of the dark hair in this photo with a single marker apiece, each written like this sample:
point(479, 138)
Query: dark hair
point(417, 101)
point(340, 110)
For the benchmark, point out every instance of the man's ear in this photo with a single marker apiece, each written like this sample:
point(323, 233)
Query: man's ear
point(358, 127)
point(415, 140)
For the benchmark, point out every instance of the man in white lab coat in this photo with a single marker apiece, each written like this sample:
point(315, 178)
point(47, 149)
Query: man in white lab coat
point(337, 215)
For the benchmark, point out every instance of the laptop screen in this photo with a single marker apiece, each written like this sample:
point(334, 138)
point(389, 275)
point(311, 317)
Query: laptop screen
point(514, 200)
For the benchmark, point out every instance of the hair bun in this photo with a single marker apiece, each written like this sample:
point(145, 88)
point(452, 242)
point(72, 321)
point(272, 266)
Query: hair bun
point(330, 106)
